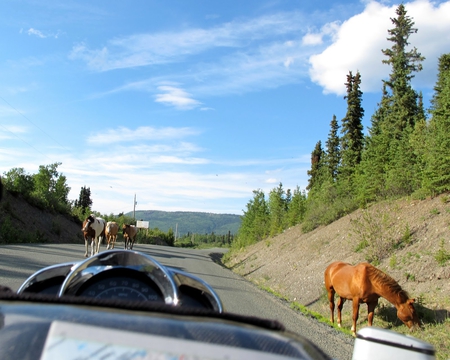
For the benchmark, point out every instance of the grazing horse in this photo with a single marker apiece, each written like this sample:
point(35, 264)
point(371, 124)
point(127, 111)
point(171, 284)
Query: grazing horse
point(129, 235)
point(111, 230)
point(95, 228)
point(364, 283)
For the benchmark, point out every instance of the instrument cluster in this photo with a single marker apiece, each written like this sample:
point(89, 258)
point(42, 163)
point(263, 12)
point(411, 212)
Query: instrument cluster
point(124, 275)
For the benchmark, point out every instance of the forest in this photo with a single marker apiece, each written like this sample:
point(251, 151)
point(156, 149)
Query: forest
point(405, 152)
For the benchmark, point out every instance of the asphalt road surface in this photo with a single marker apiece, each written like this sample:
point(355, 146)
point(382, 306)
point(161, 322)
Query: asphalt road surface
point(17, 262)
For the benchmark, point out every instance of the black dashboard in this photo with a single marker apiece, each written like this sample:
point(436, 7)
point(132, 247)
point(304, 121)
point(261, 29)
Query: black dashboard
point(123, 275)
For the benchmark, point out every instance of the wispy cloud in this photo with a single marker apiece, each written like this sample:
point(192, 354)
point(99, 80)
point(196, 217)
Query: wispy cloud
point(147, 133)
point(40, 34)
point(271, 51)
point(160, 48)
point(176, 97)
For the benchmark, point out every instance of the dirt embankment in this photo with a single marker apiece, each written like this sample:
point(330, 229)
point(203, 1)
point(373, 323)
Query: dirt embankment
point(293, 263)
point(17, 216)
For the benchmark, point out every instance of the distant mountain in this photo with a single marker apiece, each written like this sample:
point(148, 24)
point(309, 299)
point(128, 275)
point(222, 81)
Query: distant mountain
point(190, 222)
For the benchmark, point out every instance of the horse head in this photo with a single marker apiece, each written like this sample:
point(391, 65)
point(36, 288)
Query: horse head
point(406, 312)
point(86, 223)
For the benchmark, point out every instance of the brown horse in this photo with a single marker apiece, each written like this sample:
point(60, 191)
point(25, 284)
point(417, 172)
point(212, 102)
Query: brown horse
point(111, 230)
point(364, 283)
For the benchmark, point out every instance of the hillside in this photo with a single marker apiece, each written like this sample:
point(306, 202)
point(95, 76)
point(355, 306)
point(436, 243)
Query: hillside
point(293, 263)
point(21, 222)
point(190, 222)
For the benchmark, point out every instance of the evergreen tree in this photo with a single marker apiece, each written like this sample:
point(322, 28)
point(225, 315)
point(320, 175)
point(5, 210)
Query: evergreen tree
point(389, 164)
point(352, 129)
point(437, 172)
point(296, 207)
point(406, 111)
point(333, 157)
point(277, 210)
point(403, 63)
point(255, 221)
point(316, 164)
point(84, 200)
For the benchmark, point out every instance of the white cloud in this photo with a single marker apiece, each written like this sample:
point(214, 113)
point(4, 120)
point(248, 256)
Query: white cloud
point(41, 34)
point(159, 48)
point(35, 32)
point(358, 43)
point(312, 39)
point(288, 62)
point(176, 97)
point(148, 133)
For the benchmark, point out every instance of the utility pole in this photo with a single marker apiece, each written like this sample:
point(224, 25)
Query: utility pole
point(134, 209)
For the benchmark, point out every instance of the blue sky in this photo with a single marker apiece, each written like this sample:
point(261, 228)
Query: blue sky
point(190, 104)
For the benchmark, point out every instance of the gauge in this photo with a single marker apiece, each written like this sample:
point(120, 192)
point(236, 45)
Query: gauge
point(121, 284)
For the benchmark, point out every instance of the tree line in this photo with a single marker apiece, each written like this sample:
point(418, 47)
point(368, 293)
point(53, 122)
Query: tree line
point(48, 190)
point(406, 151)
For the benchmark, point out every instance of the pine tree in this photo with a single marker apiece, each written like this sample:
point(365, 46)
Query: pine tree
point(437, 172)
point(333, 157)
point(297, 207)
point(352, 139)
point(84, 200)
point(390, 166)
point(404, 64)
point(277, 210)
point(255, 221)
point(316, 165)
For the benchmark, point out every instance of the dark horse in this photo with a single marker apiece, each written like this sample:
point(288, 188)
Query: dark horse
point(364, 283)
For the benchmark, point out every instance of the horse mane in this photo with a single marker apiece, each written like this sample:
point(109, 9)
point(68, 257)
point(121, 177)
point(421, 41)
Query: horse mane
point(387, 281)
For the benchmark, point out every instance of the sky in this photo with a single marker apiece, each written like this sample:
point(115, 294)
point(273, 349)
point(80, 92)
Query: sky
point(191, 105)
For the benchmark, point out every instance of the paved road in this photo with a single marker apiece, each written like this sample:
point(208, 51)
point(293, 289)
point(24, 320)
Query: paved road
point(17, 262)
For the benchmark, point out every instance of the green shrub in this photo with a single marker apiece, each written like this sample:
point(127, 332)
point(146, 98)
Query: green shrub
point(442, 255)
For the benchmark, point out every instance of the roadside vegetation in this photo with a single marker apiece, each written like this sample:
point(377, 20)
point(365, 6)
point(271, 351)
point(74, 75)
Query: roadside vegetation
point(47, 191)
point(404, 154)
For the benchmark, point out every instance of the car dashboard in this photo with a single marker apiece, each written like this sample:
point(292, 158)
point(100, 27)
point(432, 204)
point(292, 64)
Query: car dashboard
point(124, 275)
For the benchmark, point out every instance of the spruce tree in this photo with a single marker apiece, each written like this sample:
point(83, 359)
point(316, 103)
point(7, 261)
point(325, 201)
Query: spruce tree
point(316, 165)
point(296, 207)
point(352, 129)
point(403, 63)
point(277, 210)
point(390, 165)
point(255, 221)
point(84, 200)
point(333, 157)
point(437, 172)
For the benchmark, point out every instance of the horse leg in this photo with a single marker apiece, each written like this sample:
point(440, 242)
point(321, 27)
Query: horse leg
point(99, 241)
point(114, 237)
point(108, 239)
point(370, 311)
point(331, 293)
point(86, 245)
point(340, 305)
point(92, 246)
point(355, 315)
